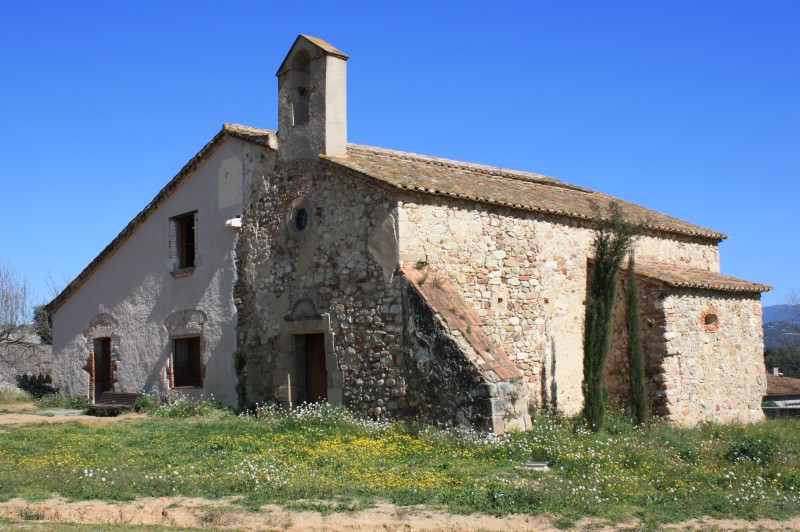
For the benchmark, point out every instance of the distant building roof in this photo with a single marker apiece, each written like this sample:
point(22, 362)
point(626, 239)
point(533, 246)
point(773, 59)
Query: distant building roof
point(778, 386)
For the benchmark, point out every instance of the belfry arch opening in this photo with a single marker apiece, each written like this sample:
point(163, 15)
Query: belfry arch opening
point(300, 87)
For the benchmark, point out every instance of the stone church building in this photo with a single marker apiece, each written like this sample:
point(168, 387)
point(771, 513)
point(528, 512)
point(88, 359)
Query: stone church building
point(293, 266)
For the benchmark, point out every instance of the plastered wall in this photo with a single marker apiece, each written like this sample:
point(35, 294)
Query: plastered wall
point(136, 288)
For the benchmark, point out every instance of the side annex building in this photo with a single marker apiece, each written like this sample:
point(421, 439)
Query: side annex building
point(294, 266)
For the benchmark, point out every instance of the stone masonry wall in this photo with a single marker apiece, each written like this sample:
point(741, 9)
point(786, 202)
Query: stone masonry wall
point(714, 368)
point(24, 359)
point(343, 263)
point(525, 274)
point(653, 327)
point(696, 372)
point(445, 387)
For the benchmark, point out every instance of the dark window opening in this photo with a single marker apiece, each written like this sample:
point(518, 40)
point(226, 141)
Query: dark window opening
point(186, 363)
point(185, 240)
point(300, 219)
point(711, 321)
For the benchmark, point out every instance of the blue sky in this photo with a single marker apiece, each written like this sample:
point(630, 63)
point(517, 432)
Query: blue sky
point(689, 108)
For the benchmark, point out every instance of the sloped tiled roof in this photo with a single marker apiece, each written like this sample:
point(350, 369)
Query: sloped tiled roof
point(432, 175)
point(326, 48)
point(779, 386)
point(442, 297)
point(687, 277)
point(487, 184)
point(263, 137)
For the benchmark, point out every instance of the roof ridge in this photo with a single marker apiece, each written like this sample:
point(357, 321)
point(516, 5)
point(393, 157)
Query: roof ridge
point(495, 171)
point(247, 130)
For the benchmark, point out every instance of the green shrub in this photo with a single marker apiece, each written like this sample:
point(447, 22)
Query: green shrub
point(182, 407)
point(77, 402)
point(757, 449)
point(12, 394)
point(616, 422)
point(59, 400)
point(145, 403)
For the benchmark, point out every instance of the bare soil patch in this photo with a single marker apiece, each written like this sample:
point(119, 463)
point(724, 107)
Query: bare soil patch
point(17, 413)
point(223, 514)
point(17, 407)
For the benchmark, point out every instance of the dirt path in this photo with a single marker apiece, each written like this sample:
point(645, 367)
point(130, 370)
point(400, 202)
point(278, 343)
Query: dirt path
point(222, 514)
point(18, 413)
point(200, 513)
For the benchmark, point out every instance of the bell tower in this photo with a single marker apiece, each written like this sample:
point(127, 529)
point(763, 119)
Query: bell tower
point(312, 101)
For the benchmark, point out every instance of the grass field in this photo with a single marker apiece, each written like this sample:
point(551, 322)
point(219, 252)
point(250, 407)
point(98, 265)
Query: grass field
point(325, 459)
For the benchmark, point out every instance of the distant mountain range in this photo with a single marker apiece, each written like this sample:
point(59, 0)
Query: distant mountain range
point(790, 313)
point(781, 333)
point(782, 326)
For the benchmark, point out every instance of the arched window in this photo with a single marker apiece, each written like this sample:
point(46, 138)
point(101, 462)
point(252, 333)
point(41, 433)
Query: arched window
point(102, 344)
point(710, 320)
point(300, 87)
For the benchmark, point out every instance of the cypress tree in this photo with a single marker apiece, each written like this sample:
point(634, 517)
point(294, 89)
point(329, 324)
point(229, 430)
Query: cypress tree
point(613, 238)
point(639, 407)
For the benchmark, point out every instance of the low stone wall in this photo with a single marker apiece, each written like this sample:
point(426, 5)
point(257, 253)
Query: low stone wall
point(24, 360)
point(776, 412)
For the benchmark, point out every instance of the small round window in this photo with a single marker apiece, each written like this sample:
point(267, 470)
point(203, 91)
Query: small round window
point(300, 219)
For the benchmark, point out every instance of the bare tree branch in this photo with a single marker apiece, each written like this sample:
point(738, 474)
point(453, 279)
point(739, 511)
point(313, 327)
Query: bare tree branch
point(55, 286)
point(15, 307)
point(794, 307)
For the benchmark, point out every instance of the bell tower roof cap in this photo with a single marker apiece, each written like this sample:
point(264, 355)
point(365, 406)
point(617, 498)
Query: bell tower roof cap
point(323, 49)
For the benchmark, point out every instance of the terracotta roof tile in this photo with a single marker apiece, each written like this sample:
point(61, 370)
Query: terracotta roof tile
point(519, 190)
point(778, 386)
point(687, 277)
point(326, 47)
point(440, 295)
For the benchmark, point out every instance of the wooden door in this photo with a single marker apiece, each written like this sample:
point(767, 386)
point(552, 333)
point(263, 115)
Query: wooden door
point(102, 366)
point(316, 374)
